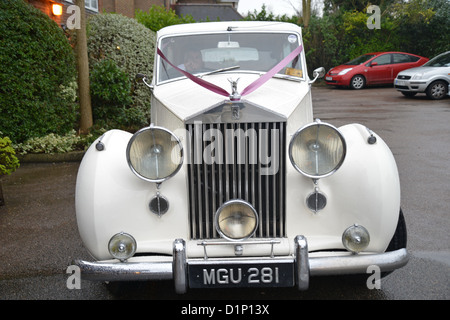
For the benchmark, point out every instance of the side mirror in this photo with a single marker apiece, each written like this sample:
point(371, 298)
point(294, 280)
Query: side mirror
point(318, 73)
point(142, 78)
point(373, 64)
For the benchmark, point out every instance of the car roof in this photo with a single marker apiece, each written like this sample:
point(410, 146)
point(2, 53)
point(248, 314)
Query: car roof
point(210, 27)
point(384, 52)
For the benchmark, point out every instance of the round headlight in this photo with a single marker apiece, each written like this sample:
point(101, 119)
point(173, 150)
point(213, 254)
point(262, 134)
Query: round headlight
point(317, 150)
point(122, 246)
point(355, 238)
point(236, 220)
point(154, 154)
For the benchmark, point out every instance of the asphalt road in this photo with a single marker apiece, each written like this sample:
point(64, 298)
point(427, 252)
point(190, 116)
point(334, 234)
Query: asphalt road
point(39, 236)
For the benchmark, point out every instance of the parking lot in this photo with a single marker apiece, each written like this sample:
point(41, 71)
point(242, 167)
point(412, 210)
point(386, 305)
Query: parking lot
point(39, 236)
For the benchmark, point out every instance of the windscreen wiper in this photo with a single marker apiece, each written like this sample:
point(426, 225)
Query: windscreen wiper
point(218, 71)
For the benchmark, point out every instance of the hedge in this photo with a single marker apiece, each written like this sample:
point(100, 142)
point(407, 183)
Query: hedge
point(38, 66)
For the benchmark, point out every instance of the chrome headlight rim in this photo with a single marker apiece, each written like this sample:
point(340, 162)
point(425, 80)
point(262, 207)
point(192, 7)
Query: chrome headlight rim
point(356, 238)
point(317, 122)
point(122, 246)
point(234, 202)
point(173, 137)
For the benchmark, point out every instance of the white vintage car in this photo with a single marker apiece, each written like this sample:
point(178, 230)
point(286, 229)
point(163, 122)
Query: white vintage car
point(234, 183)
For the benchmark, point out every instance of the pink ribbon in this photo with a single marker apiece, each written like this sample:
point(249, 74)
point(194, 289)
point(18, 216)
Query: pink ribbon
point(199, 81)
point(251, 87)
point(269, 74)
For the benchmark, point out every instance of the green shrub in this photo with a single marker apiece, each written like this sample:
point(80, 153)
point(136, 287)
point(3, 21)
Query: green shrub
point(53, 143)
point(8, 160)
point(37, 64)
point(110, 94)
point(122, 41)
point(157, 17)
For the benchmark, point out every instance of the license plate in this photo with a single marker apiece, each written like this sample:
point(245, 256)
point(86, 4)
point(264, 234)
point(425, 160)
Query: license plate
point(328, 78)
point(206, 274)
point(400, 82)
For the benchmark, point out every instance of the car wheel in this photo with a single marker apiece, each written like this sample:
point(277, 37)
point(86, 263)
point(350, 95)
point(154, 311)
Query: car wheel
point(437, 90)
point(408, 94)
point(358, 82)
point(399, 239)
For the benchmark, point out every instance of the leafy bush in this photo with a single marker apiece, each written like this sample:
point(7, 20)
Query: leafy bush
point(117, 40)
point(263, 15)
point(53, 143)
point(110, 94)
point(37, 65)
point(8, 160)
point(424, 27)
point(340, 34)
point(157, 17)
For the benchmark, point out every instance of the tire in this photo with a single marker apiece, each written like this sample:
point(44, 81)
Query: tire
point(399, 239)
point(437, 90)
point(358, 82)
point(408, 94)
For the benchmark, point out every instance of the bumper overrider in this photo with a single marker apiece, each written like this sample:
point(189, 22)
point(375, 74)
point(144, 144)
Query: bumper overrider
point(272, 271)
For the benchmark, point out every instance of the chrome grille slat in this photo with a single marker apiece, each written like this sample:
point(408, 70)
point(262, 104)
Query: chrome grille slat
point(238, 174)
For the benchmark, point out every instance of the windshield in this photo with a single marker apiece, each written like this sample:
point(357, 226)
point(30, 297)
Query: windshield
point(359, 60)
point(442, 60)
point(221, 52)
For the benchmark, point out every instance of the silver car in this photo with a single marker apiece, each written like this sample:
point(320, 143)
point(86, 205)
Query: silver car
point(433, 78)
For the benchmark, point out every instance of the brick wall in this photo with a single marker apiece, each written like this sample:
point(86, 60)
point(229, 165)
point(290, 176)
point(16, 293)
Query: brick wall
point(46, 7)
point(128, 7)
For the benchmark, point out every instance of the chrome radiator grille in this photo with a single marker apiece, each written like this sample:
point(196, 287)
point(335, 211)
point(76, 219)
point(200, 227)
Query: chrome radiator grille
point(236, 161)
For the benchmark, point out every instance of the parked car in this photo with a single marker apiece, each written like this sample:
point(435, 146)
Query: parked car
point(234, 183)
point(372, 68)
point(433, 78)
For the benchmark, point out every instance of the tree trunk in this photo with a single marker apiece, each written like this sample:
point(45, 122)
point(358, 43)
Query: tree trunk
point(86, 120)
point(306, 12)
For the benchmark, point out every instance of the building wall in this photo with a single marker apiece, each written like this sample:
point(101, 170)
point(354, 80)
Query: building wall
point(46, 7)
point(128, 7)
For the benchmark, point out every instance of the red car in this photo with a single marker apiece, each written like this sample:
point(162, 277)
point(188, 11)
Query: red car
point(372, 68)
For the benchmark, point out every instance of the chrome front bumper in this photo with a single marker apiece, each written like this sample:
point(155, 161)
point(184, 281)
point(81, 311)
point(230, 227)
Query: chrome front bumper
point(304, 266)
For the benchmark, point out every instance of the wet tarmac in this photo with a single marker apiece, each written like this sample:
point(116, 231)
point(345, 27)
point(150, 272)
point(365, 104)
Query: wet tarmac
point(39, 236)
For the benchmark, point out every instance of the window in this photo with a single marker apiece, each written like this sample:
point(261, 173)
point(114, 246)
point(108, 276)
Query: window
point(403, 58)
point(383, 59)
point(360, 60)
point(239, 52)
point(91, 4)
point(88, 4)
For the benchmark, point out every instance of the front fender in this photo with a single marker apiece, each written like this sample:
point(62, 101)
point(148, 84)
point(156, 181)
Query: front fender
point(365, 191)
point(110, 199)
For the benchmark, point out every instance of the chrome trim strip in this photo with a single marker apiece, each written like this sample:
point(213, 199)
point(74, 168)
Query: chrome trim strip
point(249, 112)
point(305, 266)
point(127, 271)
point(190, 169)
point(179, 266)
point(358, 263)
point(302, 263)
point(241, 243)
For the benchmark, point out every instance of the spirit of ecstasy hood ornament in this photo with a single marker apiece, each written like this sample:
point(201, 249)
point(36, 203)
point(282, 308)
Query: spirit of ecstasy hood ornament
point(235, 96)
